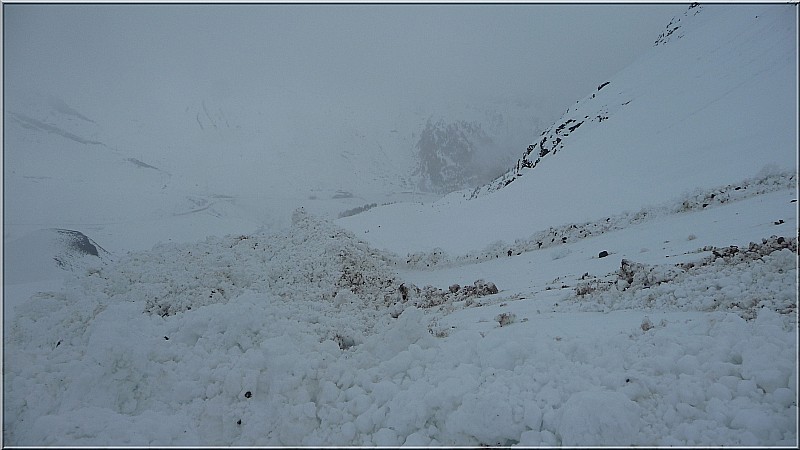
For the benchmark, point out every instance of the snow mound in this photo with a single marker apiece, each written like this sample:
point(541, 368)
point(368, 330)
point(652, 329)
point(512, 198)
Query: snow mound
point(313, 259)
point(741, 281)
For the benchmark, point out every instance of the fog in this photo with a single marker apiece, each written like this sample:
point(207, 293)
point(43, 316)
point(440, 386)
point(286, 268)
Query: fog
point(298, 81)
point(98, 55)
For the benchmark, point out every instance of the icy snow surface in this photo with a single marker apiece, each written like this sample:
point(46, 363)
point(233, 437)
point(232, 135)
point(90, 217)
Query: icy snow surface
point(655, 309)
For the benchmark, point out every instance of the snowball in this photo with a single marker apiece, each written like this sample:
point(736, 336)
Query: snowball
point(364, 423)
point(687, 364)
point(754, 420)
point(417, 439)
point(748, 388)
point(531, 438)
point(599, 418)
point(385, 437)
point(784, 397)
point(770, 379)
point(487, 416)
point(348, 432)
point(409, 328)
point(533, 416)
point(719, 391)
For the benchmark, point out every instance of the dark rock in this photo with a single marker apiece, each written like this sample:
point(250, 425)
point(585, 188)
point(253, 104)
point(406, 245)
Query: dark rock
point(485, 288)
point(79, 242)
point(603, 254)
point(403, 291)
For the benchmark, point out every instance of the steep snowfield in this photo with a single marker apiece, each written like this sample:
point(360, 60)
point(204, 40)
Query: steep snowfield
point(649, 298)
point(711, 108)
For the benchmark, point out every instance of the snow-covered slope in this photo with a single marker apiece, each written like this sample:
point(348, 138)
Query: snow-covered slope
point(304, 338)
point(714, 105)
point(648, 300)
point(44, 254)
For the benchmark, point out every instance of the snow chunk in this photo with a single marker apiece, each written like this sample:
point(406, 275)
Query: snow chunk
point(599, 418)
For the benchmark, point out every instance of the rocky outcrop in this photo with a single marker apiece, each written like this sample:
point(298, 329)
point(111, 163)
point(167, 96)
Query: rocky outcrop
point(593, 109)
point(447, 155)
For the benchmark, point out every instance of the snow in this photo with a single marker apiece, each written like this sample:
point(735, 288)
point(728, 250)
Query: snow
point(353, 333)
point(181, 379)
point(729, 84)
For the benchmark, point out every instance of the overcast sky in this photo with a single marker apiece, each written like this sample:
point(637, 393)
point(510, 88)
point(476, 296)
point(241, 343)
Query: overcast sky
point(90, 53)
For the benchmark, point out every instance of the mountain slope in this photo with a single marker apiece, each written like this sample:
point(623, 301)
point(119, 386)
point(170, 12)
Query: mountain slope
point(722, 96)
point(670, 324)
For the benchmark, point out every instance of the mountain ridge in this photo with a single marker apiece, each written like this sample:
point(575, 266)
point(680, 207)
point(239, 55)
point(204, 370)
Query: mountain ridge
point(554, 137)
point(700, 101)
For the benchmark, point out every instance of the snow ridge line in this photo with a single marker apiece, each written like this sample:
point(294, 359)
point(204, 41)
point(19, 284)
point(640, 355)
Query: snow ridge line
point(697, 200)
point(586, 112)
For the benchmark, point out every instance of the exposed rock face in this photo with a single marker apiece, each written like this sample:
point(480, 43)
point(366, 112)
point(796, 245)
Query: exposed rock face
point(49, 253)
point(675, 24)
point(447, 155)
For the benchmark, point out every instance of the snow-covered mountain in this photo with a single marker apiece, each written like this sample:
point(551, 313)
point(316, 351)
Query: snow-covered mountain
point(471, 144)
point(447, 155)
point(719, 98)
point(698, 95)
point(636, 287)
